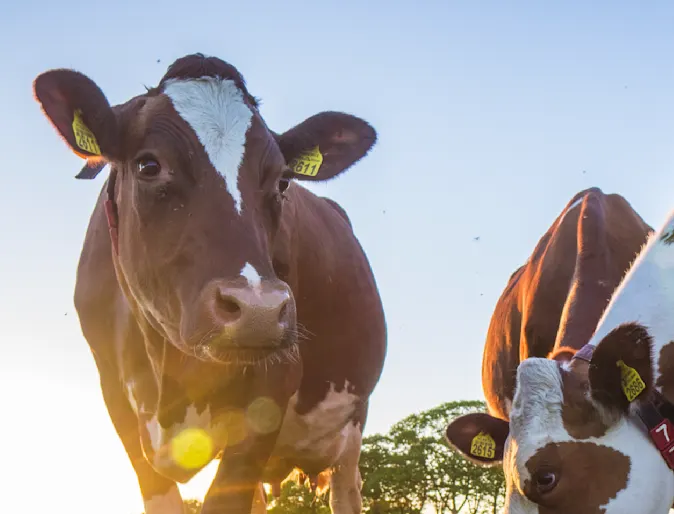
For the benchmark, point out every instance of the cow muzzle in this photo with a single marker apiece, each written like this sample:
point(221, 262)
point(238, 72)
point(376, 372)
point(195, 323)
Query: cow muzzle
point(252, 318)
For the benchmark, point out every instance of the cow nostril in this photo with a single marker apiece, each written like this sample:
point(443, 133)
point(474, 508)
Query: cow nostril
point(228, 309)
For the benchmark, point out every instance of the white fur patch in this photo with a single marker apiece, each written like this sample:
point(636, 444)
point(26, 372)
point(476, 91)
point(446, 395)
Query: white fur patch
point(219, 116)
point(251, 275)
point(161, 437)
point(130, 394)
point(323, 432)
point(169, 503)
point(538, 397)
point(345, 480)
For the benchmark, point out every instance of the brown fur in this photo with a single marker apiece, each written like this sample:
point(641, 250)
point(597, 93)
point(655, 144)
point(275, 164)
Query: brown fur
point(630, 343)
point(555, 300)
point(578, 414)
point(152, 312)
point(578, 492)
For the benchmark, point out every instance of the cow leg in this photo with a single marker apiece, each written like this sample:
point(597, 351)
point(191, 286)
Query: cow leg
point(345, 480)
point(238, 478)
point(160, 495)
point(242, 466)
point(259, 500)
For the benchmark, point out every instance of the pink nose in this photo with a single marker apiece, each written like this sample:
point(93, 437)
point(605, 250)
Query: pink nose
point(251, 317)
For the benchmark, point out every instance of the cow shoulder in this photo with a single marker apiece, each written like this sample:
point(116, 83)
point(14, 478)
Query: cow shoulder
point(340, 210)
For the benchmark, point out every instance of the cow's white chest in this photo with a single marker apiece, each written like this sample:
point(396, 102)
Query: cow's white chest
point(322, 433)
point(160, 437)
point(214, 431)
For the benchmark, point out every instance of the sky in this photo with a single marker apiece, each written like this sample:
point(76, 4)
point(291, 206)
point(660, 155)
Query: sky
point(490, 118)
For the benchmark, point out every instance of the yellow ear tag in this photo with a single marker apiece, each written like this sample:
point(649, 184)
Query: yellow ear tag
point(307, 164)
point(630, 381)
point(483, 446)
point(84, 137)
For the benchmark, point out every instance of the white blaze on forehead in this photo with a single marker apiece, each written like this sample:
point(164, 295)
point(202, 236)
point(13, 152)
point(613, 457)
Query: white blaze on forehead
point(218, 114)
point(251, 275)
point(539, 386)
point(537, 405)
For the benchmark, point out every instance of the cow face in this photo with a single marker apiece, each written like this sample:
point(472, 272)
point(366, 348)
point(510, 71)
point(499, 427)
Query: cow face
point(572, 444)
point(200, 186)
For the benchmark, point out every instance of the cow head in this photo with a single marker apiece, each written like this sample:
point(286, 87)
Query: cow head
point(591, 435)
point(571, 444)
point(594, 434)
point(200, 182)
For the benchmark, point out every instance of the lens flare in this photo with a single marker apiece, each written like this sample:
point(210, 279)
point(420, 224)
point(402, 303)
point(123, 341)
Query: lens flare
point(264, 415)
point(192, 448)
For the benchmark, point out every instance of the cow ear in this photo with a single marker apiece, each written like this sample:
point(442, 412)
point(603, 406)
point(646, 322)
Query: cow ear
point(325, 145)
point(479, 437)
point(621, 368)
point(79, 111)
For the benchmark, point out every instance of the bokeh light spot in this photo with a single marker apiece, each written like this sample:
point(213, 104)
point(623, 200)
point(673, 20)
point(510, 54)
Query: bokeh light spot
point(192, 448)
point(264, 415)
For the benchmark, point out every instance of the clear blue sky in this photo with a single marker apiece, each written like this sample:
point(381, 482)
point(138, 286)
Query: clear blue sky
point(490, 118)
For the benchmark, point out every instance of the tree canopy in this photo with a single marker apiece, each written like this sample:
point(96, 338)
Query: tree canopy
point(412, 467)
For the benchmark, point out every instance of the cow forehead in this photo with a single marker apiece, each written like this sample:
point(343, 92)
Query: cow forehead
point(538, 396)
point(217, 112)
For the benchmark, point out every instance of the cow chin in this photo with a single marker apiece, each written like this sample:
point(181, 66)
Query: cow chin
point(225, 350)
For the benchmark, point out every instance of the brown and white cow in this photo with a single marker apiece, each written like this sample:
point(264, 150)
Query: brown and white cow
point(557, 446)
point(231, 312)
point(554, 301)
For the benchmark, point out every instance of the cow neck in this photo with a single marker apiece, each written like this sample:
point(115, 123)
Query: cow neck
point(111, 212)
point(654, 410)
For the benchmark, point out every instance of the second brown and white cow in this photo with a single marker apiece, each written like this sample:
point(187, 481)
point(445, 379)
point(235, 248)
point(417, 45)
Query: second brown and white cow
point(561, 451)
point(556, 298)
point(231, 312)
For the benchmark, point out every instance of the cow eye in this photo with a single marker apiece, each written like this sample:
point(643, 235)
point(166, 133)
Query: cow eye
point(148, 167)
point(284, 182)
point(545, 481)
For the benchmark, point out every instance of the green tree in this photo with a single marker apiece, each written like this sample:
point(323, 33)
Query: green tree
point(192, 506)
point(412, 466)
point(297, 499)
point(392, 467)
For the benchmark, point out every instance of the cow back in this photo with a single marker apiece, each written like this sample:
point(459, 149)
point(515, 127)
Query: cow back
point(552, 304)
